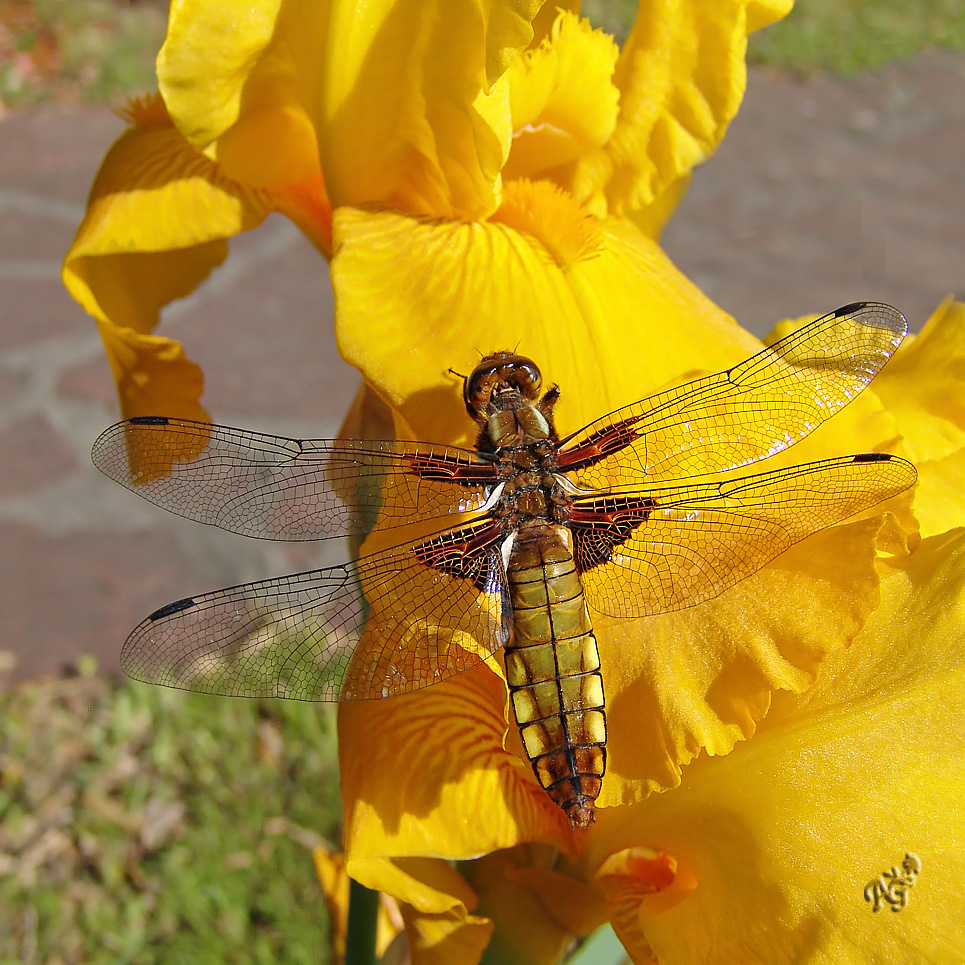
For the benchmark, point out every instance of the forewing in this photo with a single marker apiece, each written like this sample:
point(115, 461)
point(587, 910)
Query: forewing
point(271, 487)
point(750, 412)
point(385, 625)
point(678, 546)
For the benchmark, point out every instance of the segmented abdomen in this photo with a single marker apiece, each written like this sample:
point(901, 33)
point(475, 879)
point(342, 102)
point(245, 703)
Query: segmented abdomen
point(553, 672)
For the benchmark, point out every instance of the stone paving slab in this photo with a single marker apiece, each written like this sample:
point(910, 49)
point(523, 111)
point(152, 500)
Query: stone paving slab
point(824, 192)
point(828, 191)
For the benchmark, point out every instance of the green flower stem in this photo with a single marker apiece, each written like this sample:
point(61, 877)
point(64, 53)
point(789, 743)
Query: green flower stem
point(363, 906)
point(601, 948)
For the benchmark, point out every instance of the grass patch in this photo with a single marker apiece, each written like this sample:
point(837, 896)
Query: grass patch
point(139, 824)
point(835, 36)
point(65, 51)
point(846, 36)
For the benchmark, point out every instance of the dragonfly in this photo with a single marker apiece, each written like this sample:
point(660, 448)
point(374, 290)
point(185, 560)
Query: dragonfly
point(511, 546)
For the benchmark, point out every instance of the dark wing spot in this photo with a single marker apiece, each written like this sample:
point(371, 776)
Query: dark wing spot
point(849, 309)
point(176, 607)
point(148, 420)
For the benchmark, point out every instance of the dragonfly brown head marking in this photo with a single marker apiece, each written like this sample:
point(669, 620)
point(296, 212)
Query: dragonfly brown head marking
point(501, 381)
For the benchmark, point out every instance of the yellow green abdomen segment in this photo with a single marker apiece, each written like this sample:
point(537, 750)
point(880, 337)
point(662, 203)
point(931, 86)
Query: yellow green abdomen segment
point(553, 672)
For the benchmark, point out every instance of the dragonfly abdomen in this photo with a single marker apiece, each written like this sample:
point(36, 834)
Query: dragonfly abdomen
point(553, 673)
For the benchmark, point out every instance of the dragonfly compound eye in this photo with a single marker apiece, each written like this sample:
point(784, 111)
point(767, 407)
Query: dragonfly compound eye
point(499, 374)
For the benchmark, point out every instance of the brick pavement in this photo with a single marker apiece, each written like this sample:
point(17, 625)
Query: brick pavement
point(824, 192)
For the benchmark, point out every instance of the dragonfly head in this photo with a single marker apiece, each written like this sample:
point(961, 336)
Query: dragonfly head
point(501, 381)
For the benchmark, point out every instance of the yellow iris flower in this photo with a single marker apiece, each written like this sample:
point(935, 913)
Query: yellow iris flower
point(488, 175)
point(777, 843)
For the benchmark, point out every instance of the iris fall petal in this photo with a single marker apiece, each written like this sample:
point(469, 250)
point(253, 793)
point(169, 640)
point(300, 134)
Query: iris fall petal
point(445, 757)
point(785, 833)
point(925, 389)
point(156, 224)
point(701, 678)
point(580, 297)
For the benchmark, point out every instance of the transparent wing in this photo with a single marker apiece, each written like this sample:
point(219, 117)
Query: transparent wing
point(271, 487)
point(385, 625)
point(678, 546)
point(734, 418)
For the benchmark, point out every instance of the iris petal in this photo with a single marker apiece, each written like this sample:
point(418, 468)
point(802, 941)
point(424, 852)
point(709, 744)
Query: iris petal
point(155, 227)
point(681, 77)
point(435, 902)
point(444, 758)
point(784, 834)
point(537, 910)
point(255, 88)
point(923, 387)
point(395, 103)
point(412, 113)
point(700, 679)
point(603, 314)
point(564, 103)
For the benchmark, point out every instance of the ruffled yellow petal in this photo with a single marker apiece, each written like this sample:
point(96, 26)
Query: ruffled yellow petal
point(787, 834)
point(156, 223)
point(413, 113)
point(681, 77)
point(445, 757)
point(536, 909)
point(397, 103)
point(599, 306)
point(240, 81)
point(652, 219)
point(435, 902)
point(924, 387)
point(691, 680)
point(939, 501)
point(564, 104)
point(701, 678)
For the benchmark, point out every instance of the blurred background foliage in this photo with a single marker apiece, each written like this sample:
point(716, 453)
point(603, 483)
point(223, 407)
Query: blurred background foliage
point(837, 36)
point(140, 824)
point(64, 51)
point(845, 36)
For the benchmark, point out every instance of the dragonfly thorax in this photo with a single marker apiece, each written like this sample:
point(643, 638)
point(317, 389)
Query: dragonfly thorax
point(532, 496)
point(516, 427)
point(532, 488)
